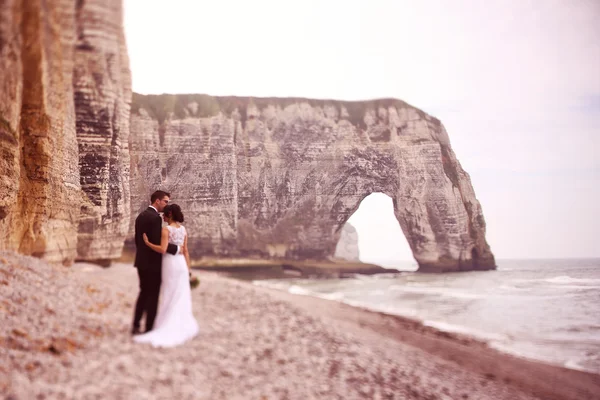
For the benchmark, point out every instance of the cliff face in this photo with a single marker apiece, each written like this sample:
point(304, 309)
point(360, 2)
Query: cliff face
point(39, 191)
point(102, 93)
point(280, 177)
point(63, 64)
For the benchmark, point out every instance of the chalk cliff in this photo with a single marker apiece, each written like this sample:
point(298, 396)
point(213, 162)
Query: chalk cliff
point(39, 174)
point(270, 178)
point(280, 177)
point(102, 94)
point(64, 115)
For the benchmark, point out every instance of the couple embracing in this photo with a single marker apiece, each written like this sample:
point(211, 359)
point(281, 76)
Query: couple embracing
point(163, 264)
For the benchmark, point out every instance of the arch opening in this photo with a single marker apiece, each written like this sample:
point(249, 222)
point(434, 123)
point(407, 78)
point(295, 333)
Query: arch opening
point(372, 234)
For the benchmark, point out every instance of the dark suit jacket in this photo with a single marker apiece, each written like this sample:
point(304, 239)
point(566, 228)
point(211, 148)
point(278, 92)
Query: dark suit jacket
point(150, 223)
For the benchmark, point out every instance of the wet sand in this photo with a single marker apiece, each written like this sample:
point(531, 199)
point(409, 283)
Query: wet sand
point(65, 334)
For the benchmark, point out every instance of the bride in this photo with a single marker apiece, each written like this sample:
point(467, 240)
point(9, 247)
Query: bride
point(175, 322)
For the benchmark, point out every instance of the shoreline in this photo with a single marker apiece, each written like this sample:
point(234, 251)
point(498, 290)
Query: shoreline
point(428, 325)
point(469, 351)
point(67, 336)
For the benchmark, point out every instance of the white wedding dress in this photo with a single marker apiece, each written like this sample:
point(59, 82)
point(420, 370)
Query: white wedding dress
point(175, 322)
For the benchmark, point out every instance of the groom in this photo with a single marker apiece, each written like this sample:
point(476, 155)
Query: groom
point(147, 261)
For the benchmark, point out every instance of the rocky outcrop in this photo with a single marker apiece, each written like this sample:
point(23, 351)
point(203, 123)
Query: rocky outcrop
point(64, 90)
point(347, 246)
point(278, 178)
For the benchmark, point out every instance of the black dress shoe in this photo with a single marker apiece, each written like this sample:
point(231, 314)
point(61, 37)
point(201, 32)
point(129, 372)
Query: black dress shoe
point(136, 331)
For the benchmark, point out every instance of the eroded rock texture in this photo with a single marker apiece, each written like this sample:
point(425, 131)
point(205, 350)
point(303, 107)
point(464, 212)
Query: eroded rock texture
point(347, 246)
point(102, 90)
point(63, 67)
point(39, 176)
point(279, 177)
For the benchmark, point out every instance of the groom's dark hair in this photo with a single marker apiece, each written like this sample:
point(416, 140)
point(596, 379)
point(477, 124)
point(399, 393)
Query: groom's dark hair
point(173, 211)
point(158, 195)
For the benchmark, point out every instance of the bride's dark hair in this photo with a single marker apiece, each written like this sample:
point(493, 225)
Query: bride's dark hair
point(173, 211)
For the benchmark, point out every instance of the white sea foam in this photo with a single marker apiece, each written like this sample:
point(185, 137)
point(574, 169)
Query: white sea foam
point(299, 290)
point(436, 291)
point(295, 289)
point(446, 327)
point(555, 287)
point(564, 279)
point(331, 296)
point(377, 292)
point(506, 348)
point(272, 284)
point(511, 288)
point(384, 308)
point(571, 363)
point(574, 364)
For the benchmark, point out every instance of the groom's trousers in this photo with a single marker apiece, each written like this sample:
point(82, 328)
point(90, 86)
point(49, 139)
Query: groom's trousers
point(148, 299)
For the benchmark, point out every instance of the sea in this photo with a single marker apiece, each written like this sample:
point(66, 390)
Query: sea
point(546, 310)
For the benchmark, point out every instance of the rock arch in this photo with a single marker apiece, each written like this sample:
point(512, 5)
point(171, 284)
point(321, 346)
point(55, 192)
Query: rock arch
point(278, 178)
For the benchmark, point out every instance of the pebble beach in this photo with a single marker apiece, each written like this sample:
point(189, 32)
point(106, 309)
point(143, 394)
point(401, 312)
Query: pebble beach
point(65, 334)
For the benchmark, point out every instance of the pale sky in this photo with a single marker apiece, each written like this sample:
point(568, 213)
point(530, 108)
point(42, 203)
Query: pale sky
point(515, 82)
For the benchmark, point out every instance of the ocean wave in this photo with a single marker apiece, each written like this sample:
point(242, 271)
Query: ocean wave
point(578, 287)
point(437, 291)
point(583, 338)
point(331, 296)
point(577, 364)
point(271, 284)
point(294, 289)
point(582, 363)
point(510, 348)
point(528, 288)
point(299, 290)
point(587, 364)
point(384, 308)
point(565, 279)
point(377, 292)
point(446, 327)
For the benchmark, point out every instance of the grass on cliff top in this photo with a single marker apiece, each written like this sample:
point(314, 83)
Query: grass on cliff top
point(160, 106)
